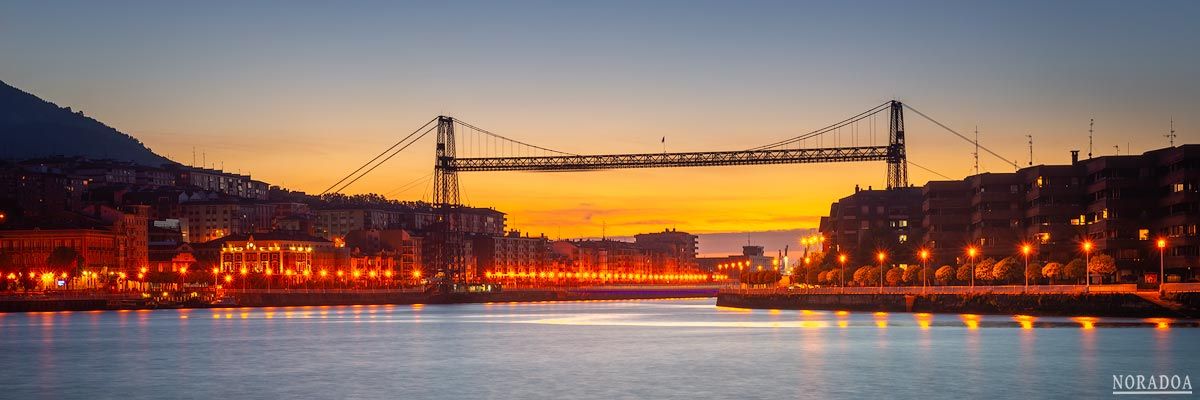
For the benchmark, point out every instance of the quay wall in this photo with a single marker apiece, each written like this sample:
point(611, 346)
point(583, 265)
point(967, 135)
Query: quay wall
point(279, 298)
point(1090, 304)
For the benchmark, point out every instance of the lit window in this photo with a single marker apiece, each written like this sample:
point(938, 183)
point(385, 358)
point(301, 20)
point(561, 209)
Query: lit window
point(1143, 234)
point(903, 238)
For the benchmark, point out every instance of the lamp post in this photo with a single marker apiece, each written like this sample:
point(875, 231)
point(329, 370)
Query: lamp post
point(842, 271)
point(924, 265)
point(1025, 249)
point(1087, 266)
point(244, 271)
point(971, 252)
point(881, 257)
point(216, 271)
point(182, 273)
point(1162, 265)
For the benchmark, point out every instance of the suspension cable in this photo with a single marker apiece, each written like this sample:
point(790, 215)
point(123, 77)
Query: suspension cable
point(827, 129)
point(928, 170)
point(407, 186)
point(484, 131)
point(388, 158)
point(962, 136)
point(377, 157)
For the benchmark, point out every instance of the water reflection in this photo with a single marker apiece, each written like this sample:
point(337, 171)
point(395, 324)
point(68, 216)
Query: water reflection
point(566, 349)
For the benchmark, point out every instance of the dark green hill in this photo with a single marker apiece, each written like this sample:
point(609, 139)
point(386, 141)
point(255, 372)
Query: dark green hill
point(31, 127)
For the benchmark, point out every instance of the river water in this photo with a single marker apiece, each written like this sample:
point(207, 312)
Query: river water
point(610, 349)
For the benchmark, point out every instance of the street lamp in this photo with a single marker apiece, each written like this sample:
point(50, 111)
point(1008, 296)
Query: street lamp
point(182, 272)
point(244, 271)
point(1162, 269)
point(842, 271)
point(881, 257)
point(1025, 249)
point(1087, 264)
point(971, 252)
point(924, 261)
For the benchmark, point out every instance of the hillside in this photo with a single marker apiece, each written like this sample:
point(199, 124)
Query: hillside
point(32, 127)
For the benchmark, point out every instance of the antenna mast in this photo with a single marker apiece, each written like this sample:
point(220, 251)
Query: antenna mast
point(1171, 136)
point(976, 150)
point(1091, 127)
point(1030, 137)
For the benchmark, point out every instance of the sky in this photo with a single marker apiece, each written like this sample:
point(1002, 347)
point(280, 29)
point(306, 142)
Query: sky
point(299, 93)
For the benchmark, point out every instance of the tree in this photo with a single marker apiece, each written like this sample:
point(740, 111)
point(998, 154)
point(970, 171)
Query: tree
point(912, 274)
point(945, 275)
point(811, 275)
point(894, 276)
point(1007, 270)
point(62, 258)
point(963, 274)
point(1052, 271)
point(1034, 271)
point(1103, 264)
point(1074, 270)
point(831, 277)
point(867, 276)
point(761, 277)
point(983, 270)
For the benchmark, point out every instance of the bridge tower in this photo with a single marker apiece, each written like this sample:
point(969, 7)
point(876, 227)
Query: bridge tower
point(896, 159)
point(448, 240)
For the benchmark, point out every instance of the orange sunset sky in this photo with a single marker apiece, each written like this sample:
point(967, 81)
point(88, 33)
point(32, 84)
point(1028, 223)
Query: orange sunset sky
point(301, 95)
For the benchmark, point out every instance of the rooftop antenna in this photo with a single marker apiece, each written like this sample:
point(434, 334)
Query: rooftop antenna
point(976, 154)
point(603, 230)
point(1030, 137)
point(1171, 136)
point(1117, 147)
point(204, 159)
point(193, 156)
point(1091, 127)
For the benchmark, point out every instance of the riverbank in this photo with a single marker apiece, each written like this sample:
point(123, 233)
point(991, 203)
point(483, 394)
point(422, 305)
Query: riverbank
point(1131, 305)
point(264, 298)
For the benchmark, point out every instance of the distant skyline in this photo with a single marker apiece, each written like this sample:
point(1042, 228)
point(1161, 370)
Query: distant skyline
point(300, 93)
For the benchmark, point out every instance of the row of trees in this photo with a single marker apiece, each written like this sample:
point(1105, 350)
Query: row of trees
point(989, 271)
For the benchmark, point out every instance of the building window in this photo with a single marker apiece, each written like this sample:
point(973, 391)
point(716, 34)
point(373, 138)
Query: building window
point(1044, 237)
point(1143, 234)
point(903, 238)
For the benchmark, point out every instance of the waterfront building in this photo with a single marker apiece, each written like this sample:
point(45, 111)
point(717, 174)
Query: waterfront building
point(872, 220)
point(29, 192)
point(753, 258)
point(395, 250)
point(205, 221)
point(1120, 204)
point(670, 248)
point(279, 252)
point(104, 239)
point(511, 253)
point(219, 181)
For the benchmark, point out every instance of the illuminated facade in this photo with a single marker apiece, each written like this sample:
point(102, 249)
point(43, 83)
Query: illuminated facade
point(111, 241)
point(275, 252)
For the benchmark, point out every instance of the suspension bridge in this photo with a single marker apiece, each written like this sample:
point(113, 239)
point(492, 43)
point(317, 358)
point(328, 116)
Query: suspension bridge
point(462, 147)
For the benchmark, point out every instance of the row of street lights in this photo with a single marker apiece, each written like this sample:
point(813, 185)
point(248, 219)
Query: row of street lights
point(1026, 250)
